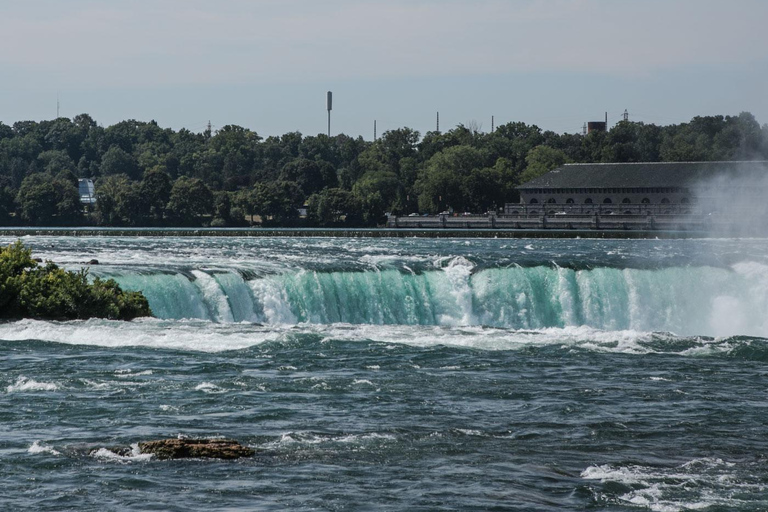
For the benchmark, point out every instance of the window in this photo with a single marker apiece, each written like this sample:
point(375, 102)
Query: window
point(646, 201)
point(552, 201)
point(607, 200)
point(626, 201)
point(685, 200)
point(534, 201)
point(569, 201)
point(587, 201)
point(665, 201)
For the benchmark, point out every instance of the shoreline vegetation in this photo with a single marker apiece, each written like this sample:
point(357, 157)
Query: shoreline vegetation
point(148, 176)
point(47, 292)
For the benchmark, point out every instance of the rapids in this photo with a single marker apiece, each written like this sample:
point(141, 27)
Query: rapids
point(404, 374)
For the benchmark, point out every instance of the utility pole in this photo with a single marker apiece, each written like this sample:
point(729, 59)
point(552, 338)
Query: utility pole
point(492, 119)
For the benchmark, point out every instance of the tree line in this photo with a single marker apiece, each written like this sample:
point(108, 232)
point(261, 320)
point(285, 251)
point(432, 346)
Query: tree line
point(146, 175)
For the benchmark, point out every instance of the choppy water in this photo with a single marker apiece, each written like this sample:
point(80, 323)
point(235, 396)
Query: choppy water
point(413, 374)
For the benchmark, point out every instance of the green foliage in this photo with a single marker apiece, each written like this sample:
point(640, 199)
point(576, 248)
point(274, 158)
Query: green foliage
point(540, 160)
point(46, 201)
point(334, 206)
point(190, 199)
point(28, 290)
point(138, 164)
point(117, 161)
point(278, 200)
point(155, 190)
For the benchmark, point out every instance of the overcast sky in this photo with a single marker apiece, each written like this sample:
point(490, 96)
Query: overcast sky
point(266, 64)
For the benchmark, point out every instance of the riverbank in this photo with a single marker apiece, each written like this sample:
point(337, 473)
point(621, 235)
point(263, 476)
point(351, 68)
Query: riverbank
point(354, 232)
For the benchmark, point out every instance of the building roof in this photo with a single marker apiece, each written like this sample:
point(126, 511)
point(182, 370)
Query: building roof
point(641, 174)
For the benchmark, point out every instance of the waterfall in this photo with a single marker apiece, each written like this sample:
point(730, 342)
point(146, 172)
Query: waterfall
point(685, 300)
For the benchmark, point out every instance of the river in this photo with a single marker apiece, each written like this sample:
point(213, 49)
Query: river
point(399, 374)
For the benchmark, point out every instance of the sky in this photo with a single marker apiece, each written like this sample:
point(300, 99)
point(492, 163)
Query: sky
point(267, 64)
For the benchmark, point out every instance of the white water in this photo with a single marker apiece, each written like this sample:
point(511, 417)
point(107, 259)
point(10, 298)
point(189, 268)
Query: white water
point(685, 300)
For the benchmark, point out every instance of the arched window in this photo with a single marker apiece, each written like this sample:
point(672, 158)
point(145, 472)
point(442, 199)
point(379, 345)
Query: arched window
point(534, 201)
point(587, 201)
point(685, 200)
point(551, 212)
point(646, 201)
point(664, 201)
point(552, 201)
point(515, 212)
point(607, 200)
point(626, 200)
point(627, 212)
point(569, 201)
point(533, 212)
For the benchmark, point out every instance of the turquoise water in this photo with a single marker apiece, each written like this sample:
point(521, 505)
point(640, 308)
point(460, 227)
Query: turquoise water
point(408, 374)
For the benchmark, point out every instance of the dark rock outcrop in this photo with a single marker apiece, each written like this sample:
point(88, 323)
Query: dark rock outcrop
point(227, 449)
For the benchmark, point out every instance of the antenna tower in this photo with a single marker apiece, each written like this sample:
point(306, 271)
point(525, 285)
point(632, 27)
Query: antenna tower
point(374, 131)
point(492, 127)
point(626, 115)
point(438, 122)
point(329, 107)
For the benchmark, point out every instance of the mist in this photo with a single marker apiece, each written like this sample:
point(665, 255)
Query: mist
point(734, 203)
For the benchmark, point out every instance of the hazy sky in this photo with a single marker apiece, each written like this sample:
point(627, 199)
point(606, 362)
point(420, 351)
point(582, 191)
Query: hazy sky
point(266, 64)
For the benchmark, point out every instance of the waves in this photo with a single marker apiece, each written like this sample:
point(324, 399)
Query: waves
point(684, 300)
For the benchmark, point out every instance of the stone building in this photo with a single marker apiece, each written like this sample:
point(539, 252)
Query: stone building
point(625, 188)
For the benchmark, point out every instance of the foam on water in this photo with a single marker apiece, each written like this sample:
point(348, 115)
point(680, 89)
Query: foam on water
point(134, 456)
point(696, 485)
point(214, 337)
point(38, 448)
point(24, 384)
point(209, 387)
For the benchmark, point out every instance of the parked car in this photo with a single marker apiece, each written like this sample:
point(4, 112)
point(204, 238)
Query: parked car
point(413, 214)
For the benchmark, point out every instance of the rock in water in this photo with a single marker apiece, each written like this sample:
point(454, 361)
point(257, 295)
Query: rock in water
point(196, 448)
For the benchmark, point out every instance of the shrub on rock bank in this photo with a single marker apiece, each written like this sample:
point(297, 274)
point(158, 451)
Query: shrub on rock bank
point(31, 290)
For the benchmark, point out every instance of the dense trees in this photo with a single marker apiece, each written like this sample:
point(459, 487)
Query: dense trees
point(30, 290)
point(146, 175)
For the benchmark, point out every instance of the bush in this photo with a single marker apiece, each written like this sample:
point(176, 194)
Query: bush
point(29, 290)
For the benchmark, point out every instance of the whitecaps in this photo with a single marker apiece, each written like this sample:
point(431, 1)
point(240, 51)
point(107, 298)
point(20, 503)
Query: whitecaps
point(204, 336)
point(698, 484)
point(209, 387)
point(303, 438)
point(38, 448)
point(26, 384)
point(135, 455)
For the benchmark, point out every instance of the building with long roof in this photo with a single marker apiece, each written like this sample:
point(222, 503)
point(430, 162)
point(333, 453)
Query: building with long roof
point(629, 188)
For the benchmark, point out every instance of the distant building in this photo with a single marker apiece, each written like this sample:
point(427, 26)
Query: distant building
point(87, 195)
point(597, 126)
point(626, 188)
